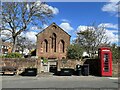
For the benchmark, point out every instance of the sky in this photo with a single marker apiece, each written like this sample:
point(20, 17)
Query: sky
point(75, 16)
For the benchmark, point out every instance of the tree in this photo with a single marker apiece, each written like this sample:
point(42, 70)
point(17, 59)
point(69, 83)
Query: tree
point(91, 38)
point(19, 16)
point(24, 43)
point(74, 51)
point(115, 52)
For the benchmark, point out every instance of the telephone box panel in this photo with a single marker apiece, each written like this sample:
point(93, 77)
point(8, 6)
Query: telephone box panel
point(105, 57)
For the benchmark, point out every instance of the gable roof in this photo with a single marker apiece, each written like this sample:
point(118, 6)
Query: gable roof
point(56, 26)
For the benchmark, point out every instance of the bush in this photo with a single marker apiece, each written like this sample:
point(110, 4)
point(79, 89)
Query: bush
point(1, 56)
point(13, 55)
point(45, 60)
point(74, 52)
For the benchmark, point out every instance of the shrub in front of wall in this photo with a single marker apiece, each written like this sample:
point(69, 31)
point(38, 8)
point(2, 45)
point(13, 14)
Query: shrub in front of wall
point(13, 55)
point(45, 60)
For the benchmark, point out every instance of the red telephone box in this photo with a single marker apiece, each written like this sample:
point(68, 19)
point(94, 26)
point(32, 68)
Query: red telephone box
point(105, 57)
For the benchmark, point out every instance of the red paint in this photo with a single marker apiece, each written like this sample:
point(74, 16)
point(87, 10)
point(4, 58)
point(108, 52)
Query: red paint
point(105, 57)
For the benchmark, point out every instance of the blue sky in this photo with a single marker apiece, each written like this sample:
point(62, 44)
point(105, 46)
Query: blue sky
point(82, 13)
point(73, 17)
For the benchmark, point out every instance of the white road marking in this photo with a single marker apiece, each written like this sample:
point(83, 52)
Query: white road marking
point(113, 78)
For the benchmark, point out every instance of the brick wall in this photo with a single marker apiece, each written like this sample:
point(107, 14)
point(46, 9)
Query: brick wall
point(46, 36)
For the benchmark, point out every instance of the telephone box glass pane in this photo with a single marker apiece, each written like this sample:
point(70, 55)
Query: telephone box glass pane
point(106, 63)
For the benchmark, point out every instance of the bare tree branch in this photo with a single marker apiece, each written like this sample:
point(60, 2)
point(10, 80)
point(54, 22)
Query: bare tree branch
point(17, 16)
point(92, 38)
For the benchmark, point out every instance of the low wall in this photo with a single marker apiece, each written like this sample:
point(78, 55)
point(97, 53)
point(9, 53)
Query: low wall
point(115, 70)
point(70, 63)
point(94, 66)
point(20, 63)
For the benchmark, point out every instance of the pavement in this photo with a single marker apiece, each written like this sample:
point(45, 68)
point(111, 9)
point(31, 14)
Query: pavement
point(50, 81)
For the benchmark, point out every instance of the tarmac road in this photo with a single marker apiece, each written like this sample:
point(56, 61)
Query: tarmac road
point(59, 82)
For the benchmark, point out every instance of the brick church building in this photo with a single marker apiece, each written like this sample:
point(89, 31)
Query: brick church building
point(52, 42)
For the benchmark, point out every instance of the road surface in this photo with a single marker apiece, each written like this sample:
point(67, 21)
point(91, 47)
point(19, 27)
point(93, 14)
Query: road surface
point(59, 82)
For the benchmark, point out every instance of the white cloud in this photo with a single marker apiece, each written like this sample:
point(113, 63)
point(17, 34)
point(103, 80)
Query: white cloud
point(5, 34)
point(34, 28)
point(113, 38)
point(54, 10)
point(109, 25)
point(30, 35)
point(65, 20)
point(113, 0)
point(28, 8)
point(66, 27)
point(111, 7)
point(45, 26)
point(38, 2)
point(83, 28)
point(111, 34)
point(44, 7)
point(34, 31)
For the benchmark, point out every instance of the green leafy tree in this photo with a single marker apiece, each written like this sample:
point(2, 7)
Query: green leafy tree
point(74, 51)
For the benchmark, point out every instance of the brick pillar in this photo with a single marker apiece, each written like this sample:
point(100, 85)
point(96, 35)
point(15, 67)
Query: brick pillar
point(39, 65)
point(58, 65)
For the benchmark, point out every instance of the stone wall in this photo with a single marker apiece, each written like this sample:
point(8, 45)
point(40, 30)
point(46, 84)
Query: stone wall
point(21, 63)
point(68, 63)
point(93, 66)
point(115, 70)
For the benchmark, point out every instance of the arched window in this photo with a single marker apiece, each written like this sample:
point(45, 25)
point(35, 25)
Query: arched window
point(62, 46)
point(53, 42)
point(45, 45)
point(54, 27)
